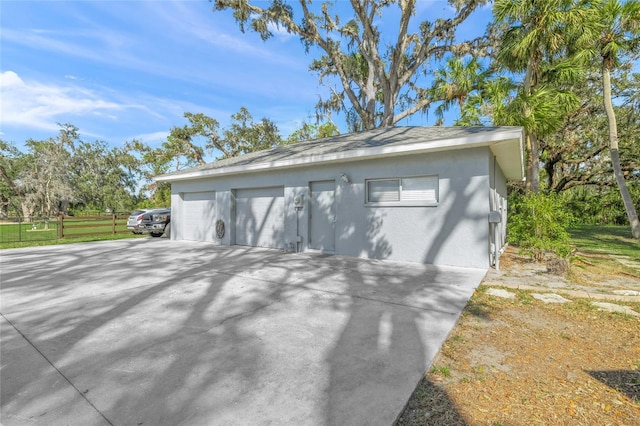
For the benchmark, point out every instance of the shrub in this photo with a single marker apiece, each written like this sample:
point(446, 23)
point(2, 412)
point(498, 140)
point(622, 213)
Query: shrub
point(599, 206)
point(538, 224)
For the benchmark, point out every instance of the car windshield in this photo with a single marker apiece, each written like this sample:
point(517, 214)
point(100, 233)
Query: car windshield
point(137, 212)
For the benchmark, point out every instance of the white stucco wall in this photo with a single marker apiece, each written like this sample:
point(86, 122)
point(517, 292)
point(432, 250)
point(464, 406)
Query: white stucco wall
point(455, 232)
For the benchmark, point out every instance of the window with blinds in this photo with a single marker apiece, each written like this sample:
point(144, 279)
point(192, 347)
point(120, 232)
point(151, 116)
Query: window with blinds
point(383, 190)
point(410, 191)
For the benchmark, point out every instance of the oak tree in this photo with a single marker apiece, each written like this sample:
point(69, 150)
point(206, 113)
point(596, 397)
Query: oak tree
point(379, 75)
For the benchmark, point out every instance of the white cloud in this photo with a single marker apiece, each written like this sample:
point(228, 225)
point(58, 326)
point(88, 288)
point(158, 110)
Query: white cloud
point(37, 105)
point(118, 75)
point(280, 32)
point(152, 138)
point(30, 104)
point(201, 34)
point(9, 79)
point(52, 41)
point(211, 29)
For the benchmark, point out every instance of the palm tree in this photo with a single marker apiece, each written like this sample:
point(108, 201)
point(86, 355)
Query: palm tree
point(620, 35)
point(454, 83)
point(535, 44)
point(489, 104)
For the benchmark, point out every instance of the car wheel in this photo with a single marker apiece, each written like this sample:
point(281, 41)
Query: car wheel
point(167, 230)
point(156, 235)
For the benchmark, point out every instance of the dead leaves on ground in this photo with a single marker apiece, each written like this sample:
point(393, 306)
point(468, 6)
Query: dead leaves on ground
point(523, 362)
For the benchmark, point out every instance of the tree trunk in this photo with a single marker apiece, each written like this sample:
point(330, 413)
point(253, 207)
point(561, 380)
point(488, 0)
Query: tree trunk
point(615, 155)
point(533, 164)
point(549, 166)
point(4, 207)
point(533, 160)
point(26, 210)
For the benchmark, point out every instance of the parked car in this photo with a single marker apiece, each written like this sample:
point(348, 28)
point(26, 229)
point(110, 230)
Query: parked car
point(156, 222)
point(133, 224)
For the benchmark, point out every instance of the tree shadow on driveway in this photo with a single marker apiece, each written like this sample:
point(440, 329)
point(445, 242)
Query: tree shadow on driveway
point(140, 346)
point(387, 344)
point(216, 335)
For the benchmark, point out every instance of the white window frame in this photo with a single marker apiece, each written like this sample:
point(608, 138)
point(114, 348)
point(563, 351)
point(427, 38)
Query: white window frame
point(404, 202)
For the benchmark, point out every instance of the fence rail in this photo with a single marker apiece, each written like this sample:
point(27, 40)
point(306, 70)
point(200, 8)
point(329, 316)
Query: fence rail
point(70, 226)
point(51, 228)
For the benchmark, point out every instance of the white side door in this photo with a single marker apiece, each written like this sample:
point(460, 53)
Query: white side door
point(322, 235)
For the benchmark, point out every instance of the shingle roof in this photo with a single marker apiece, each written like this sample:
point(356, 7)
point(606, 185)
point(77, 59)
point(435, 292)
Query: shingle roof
point(356, 146)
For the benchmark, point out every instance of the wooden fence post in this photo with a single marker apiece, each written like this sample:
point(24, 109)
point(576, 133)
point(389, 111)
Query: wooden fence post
point(113, 224)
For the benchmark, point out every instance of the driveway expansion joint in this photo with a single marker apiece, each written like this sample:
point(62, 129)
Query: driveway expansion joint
point(79, 392)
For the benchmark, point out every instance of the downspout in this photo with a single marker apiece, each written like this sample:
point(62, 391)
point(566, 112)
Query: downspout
point(496, 229)
point(298, 208)
point(495, 217)
point(496, 248)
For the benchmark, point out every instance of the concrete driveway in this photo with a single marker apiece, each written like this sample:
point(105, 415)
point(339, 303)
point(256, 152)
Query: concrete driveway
point(158, 332)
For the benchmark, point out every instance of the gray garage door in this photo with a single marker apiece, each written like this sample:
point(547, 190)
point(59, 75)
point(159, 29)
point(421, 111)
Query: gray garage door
point(198, 216)
point(260, 217)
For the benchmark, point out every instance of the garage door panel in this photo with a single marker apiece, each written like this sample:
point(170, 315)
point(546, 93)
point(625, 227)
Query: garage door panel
point(260, 217)
point(198, 216)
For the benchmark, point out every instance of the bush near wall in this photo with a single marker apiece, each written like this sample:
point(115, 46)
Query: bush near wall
point(538, 224)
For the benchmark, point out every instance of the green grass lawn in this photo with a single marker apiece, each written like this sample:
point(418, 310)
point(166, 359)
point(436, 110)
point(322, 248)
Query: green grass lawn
point(606, 239)
point(608, 246)
point(37, 233)
point(70, 240)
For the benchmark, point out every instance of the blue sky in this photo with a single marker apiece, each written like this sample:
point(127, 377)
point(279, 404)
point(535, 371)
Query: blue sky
point(120, 70)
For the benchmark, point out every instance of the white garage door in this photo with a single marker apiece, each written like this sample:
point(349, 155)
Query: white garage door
point(198, 216)
point(260, 217)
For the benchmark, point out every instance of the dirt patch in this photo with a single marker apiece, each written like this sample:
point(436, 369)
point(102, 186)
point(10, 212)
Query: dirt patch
point(522, 361)
point(587, 273)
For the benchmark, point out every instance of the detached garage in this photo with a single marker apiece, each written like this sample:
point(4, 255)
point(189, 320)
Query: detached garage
point(419, 194)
